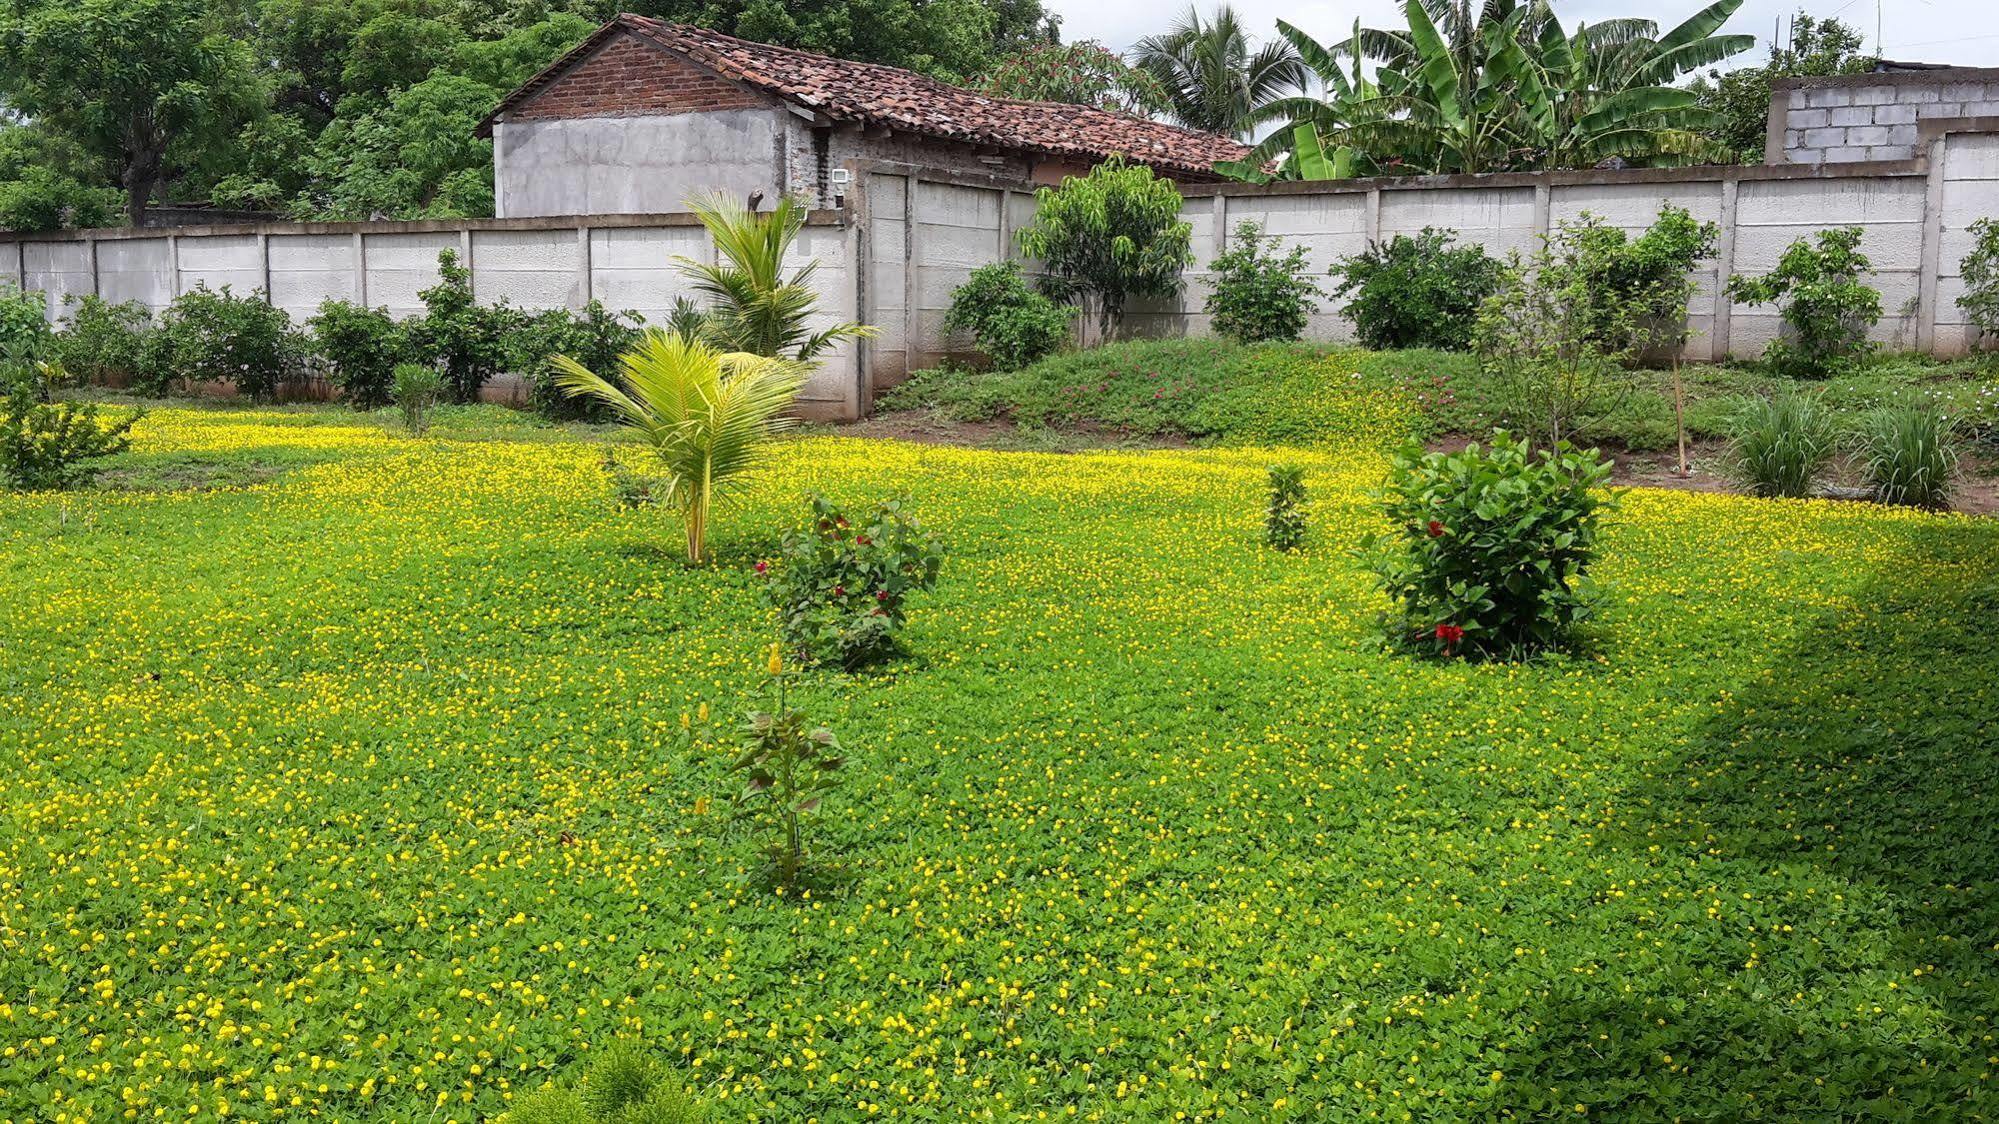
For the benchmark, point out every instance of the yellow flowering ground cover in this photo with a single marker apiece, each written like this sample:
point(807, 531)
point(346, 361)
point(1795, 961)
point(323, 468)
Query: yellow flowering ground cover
point(361, 793)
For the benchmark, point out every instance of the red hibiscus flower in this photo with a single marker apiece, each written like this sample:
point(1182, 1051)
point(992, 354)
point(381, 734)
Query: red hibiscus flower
point(1450, 634)
point(1436, 529)
point(762, 566)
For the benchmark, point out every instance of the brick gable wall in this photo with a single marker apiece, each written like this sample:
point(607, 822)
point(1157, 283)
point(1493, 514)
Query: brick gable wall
point(627, 78)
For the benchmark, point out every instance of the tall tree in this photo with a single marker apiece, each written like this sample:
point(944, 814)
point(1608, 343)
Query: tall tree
point(134, 83)
point(1215, 78)
point(1081, 73)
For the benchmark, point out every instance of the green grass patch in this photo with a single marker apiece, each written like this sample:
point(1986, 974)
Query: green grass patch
point(363, 793)
point(1214, 391)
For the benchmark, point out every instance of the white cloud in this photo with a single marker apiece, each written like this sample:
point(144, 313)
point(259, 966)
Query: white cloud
point(1962, 32)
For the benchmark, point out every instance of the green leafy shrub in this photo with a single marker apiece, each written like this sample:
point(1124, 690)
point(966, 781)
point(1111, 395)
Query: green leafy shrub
point(842, 589)
point(1780, 446)
point(594, 337)
point(1258, 294)
point(627, 1085)
point(788, 767)
point(1909, 454)
point(361, 347)
point(466, 340)
point(1545, 343)
point(415, 389)
point(1638, 287)
point(213, 335)
point(48, 445)
point(1491, 547)
point(24, 326)
point(1824, 302)
point(1417, 292)
point(1107, 237)
point(1284, 512)
point(1013, 324)
point(1979, 271)
point(105, 343)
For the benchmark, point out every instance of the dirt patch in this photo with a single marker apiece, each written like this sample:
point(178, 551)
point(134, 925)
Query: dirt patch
point(933, 427)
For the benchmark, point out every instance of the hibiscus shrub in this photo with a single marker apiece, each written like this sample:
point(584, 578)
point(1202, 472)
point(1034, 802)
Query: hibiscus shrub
point(841, 585)
point(1491, 547)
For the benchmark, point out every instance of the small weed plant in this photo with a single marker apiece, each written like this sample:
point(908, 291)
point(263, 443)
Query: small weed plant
point(787, 765)
point(47, 445)
point(1284, 511)
point(842, 586)
point(1491, 547)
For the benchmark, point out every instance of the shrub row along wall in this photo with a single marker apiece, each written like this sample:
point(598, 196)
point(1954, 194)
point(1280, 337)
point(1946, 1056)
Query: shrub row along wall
point(926, 233)
point(625, 261)
point(908, 238)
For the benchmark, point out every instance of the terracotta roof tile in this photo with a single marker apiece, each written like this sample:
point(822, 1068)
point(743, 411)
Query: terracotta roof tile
point(869, 93)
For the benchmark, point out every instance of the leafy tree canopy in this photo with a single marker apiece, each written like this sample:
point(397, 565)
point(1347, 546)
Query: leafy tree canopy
point(357, 108)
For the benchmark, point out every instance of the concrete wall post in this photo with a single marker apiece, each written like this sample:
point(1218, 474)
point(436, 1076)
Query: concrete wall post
point(1931, 266)
point(1724, 268)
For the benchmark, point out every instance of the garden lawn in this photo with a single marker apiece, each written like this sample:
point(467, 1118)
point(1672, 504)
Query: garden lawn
point(362, 794)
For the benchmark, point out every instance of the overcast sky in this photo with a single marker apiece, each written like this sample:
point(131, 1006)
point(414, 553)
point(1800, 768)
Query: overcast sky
point(1964, 32)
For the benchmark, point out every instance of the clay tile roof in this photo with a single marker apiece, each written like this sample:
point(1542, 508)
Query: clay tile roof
point(872, 94)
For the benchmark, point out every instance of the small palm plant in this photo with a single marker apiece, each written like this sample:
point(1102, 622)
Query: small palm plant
point(753, 306)
point(707, 414)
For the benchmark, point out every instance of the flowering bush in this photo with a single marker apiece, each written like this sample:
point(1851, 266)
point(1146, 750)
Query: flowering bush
point(841, 588)
point(1491, 547)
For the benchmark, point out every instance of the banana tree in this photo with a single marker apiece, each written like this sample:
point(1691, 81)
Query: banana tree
point(1510, 89)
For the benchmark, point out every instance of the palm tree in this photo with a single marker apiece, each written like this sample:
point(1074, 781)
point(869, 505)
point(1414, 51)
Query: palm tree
point(753, 306)
point(1214, 78)
point(707, 414)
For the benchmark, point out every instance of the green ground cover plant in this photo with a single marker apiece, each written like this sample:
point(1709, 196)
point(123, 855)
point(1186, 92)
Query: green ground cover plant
point(380, 763)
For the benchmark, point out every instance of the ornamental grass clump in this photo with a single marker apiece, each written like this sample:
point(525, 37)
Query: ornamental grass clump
point(1491, 546)
point(627, 1085)
point(1780, 446)
point(842, 586)
point(1909, 455)
point(1284, 513)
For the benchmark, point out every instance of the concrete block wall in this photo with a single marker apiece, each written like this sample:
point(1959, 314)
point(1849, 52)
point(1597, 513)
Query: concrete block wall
point(1857, 117)
point(1913, 215)
point(627, 262)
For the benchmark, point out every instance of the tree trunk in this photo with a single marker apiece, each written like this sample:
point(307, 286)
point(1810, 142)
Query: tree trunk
point(145, 150)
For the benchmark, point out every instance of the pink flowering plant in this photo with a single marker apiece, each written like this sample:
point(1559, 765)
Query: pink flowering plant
point(1490, 549)
point(841, 585)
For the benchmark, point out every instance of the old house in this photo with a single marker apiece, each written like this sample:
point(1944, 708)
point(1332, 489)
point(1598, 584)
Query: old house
point(644, 114)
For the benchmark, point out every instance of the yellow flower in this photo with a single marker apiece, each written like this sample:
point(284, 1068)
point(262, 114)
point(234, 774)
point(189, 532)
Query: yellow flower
point(776, 660)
